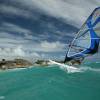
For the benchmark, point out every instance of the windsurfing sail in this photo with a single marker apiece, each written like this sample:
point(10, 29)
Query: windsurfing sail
point(86, 41)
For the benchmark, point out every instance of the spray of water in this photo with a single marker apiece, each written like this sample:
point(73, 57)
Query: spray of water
point(80, 69)
point(73, 69)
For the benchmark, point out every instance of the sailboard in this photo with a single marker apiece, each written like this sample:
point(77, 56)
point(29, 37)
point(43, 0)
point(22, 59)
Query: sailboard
point(69, 68)
point(86, 41)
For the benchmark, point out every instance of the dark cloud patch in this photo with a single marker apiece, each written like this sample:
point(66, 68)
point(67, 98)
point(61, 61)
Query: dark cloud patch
point(41, 25)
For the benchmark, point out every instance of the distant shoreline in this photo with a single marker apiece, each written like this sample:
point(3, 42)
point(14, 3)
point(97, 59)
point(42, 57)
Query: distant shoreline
point(21, 63)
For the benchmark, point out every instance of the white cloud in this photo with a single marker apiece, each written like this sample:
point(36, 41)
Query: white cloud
point(13, 41)
point(45, 46)
point(18, 51)
point(51, 46)
point(5, 35)
point(8, 51)
point(14, 28)
point(34, 54)
point(15, 11)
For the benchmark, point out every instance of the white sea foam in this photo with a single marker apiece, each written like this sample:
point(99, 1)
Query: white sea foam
point(80, 69)
point(2, 97)
point(70, 69)
point(73, 69)
point(14, 69)
point(84, 68)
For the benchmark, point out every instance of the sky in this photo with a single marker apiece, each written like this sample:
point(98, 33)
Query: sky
point(40, 29)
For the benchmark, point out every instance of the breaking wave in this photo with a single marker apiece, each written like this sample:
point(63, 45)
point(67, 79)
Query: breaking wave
point(73, 69)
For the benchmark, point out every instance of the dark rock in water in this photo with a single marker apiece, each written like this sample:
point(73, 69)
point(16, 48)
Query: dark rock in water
point(41, 63)
point(2, 64)
point(16, 63)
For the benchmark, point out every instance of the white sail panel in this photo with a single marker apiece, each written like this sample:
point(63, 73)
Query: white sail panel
point(81, 41)
point(96, 20)
point(97, 29)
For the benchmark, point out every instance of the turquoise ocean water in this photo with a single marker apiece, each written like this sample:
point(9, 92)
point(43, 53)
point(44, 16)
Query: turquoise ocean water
point(51, 83)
